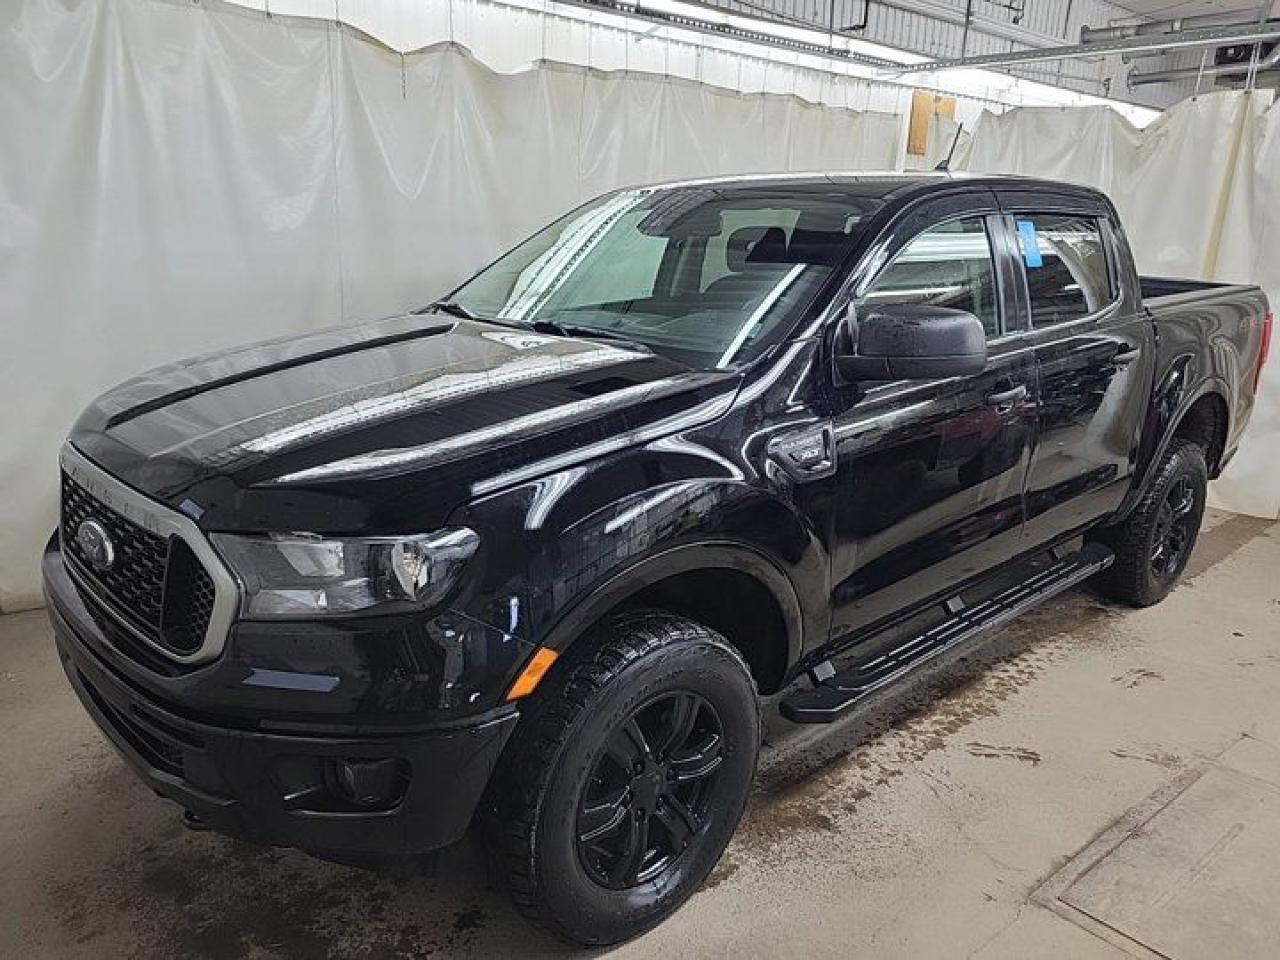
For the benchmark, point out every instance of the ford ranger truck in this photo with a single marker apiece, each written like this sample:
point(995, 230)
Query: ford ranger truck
point(529, 559)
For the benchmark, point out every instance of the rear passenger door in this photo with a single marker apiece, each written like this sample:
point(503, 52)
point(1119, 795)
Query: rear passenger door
point(1094, 355)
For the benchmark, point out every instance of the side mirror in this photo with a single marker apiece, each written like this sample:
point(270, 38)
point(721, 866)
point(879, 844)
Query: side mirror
point(909, 341)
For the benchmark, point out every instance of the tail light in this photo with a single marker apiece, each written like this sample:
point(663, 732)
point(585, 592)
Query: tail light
point(1263, 349)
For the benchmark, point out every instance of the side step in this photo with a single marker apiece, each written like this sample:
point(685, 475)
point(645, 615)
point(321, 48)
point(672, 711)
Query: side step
point(833, 693)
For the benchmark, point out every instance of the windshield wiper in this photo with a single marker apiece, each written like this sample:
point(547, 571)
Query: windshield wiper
point(455, 309)
point(575, 330)
point(451, 307)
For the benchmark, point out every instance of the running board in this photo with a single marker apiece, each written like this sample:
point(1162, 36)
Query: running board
point(834, 693)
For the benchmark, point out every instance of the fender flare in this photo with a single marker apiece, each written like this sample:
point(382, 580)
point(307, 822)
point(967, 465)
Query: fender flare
point(719, 554)
point(1211, 385)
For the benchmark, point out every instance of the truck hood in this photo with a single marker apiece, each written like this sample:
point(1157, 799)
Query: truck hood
point(370, 427)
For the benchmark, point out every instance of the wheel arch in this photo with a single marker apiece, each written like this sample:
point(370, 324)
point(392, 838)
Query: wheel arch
point(755, 591)
point(1205, 420)
point(1206, 404)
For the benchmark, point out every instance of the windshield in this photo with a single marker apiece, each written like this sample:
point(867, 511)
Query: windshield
point(707, 275)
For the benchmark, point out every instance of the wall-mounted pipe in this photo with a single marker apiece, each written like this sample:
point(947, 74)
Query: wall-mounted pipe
point(1152, 27)
point(1270, 62)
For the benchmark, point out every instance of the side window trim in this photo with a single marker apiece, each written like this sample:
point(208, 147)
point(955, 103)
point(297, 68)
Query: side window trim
point(1014, 301)
point(1107, 310)
point(1111, 236)
point(988, 218)
point(916, 214)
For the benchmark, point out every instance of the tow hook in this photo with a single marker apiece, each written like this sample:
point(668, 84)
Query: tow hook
point(194, 823)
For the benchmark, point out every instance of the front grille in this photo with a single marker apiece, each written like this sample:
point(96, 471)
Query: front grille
point(127, 641)
point(135, 581)
point(154, 583)
point(189, 601)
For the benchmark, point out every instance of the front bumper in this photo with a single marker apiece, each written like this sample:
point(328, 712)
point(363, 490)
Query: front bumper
point(276, 787)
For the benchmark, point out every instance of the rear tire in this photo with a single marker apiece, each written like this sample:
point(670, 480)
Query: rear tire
point(1154, 542)
point(626, 778)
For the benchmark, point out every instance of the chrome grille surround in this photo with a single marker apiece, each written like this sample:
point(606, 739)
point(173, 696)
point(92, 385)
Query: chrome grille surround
point(163, 522)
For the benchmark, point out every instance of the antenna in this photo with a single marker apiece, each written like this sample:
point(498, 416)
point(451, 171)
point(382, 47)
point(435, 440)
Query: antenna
point(945, 165)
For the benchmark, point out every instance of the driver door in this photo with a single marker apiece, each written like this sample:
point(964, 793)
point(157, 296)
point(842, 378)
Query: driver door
point(931, 473)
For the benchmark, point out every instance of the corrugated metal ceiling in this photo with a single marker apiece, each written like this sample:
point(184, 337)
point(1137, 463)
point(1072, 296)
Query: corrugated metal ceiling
point(937, 28)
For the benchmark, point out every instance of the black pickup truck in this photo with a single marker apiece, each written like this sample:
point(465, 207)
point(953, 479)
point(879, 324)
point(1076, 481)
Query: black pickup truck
point(529, 558)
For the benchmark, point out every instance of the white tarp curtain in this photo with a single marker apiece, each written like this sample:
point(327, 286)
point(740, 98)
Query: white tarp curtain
point(174, 179)
point(509, 35)
point(1199, 193)
point(512, 35)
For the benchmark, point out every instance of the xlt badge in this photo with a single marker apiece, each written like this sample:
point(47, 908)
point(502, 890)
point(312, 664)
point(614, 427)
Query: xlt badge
point(805, 454)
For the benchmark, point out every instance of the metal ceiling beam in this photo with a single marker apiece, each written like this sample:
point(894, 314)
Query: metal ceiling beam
point(1212, 37)
point(1177, 24)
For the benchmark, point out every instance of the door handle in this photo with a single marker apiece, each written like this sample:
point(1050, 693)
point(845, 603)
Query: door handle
point(1123, 359)
point(1006, 400)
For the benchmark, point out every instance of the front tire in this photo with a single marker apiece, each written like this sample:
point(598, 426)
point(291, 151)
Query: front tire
point(627, 778)
point(1155, 541)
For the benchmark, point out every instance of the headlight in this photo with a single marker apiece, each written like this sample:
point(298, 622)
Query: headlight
point(295, 575)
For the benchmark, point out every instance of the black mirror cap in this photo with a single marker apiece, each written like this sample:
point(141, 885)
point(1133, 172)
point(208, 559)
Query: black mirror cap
point(910, 341)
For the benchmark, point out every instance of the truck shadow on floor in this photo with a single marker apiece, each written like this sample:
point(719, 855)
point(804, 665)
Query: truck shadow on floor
point(163, 891)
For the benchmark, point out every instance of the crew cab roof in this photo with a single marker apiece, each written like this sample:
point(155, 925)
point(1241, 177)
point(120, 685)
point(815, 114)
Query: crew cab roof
point(886, 186)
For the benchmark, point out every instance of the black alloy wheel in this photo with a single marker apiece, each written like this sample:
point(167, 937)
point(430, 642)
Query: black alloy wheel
point(625, 778)
point(647, 796)
point(1173, 533)
point(1153, 543)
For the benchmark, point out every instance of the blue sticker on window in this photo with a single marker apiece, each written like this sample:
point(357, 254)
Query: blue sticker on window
point(1030, 244)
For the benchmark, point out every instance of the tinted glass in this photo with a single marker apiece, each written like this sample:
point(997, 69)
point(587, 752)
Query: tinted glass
point(742, 229)
point(949, 265)
point(1067, 273)
point(706, 275)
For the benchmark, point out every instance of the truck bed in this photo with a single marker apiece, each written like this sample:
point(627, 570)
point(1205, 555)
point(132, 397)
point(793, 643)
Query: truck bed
point(1157, 288)
point(1210, 330)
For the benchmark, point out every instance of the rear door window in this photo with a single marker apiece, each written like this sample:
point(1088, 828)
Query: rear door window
point(1068, 276)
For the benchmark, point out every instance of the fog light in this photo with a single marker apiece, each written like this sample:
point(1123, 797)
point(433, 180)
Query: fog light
point(369, 783)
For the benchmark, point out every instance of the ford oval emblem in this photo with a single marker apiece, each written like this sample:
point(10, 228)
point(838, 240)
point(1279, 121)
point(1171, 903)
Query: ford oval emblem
point(95, 544)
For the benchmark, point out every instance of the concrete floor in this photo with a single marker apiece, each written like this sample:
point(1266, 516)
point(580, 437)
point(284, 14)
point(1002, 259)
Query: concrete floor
point(1086, 781)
